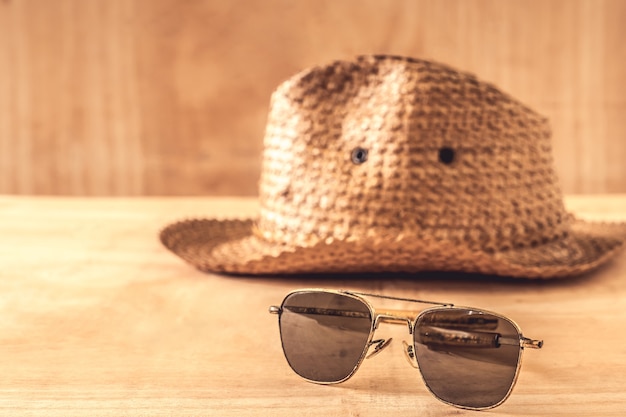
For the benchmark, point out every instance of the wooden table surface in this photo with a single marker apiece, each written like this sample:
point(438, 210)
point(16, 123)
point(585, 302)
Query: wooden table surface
point(97, 318)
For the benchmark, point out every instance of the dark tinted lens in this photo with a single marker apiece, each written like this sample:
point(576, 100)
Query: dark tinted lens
point(324, 335)
point(467, 357)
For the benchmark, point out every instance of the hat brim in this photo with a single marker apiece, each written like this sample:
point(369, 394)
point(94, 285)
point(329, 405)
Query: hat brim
point(231, 247)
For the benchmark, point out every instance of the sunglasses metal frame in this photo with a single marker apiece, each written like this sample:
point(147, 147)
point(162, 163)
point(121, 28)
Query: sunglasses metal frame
point(409, 318)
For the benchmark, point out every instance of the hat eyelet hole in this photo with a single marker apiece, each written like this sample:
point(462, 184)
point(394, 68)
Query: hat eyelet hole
point(358, 156)
point(447, 155)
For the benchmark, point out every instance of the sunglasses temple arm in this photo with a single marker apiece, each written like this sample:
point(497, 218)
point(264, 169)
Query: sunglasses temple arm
point(531, 343)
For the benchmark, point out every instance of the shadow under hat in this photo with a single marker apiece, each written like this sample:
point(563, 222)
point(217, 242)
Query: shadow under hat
point(397, 164)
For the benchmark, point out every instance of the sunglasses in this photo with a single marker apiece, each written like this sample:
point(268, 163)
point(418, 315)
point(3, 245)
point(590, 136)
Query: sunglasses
point(468, 357)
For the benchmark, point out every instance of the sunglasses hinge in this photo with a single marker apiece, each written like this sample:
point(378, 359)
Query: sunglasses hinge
point(275, 310)
point(532, 343)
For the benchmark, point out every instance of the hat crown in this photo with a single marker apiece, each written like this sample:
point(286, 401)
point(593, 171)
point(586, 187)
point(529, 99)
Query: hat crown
point(394, 148)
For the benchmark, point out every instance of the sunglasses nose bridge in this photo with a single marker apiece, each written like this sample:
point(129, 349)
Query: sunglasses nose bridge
point(393, 319)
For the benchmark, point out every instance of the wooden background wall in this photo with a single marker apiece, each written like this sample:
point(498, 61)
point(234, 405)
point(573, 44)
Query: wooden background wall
point(167, 97)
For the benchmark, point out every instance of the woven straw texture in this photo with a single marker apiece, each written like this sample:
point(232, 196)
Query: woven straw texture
point(396, 164)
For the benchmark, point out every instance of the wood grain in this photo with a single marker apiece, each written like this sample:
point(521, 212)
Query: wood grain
point(161, 97)
point(98, 319)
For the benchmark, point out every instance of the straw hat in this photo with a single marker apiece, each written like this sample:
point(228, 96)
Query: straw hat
point(396, 164)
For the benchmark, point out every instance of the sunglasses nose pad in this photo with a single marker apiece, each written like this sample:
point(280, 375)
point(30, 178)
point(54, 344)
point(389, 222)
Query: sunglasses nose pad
point(379, 345)
point(409, 354)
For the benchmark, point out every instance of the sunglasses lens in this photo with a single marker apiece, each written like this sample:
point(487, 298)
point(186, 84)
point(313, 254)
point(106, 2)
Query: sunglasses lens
point(324, 335)
point(467, 357)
